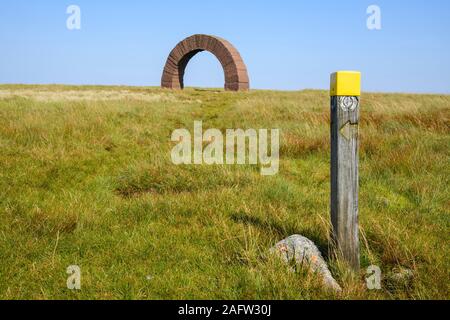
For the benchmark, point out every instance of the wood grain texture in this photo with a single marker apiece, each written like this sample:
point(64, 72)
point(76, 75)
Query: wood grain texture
point(344, 177)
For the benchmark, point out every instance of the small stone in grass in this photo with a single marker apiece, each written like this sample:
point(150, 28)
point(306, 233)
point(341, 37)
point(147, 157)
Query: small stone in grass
point(305, 253)
point(401, 277)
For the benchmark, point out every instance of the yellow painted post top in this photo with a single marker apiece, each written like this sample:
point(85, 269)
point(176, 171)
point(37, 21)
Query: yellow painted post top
point(345, 83)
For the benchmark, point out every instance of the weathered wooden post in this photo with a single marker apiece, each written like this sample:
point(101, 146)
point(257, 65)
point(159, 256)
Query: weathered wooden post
point(345, 95)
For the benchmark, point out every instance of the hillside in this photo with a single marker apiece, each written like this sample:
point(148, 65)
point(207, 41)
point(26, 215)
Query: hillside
point(86, 179)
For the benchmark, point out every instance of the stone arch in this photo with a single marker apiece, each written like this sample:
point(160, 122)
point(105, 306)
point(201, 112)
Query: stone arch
point(236, 76)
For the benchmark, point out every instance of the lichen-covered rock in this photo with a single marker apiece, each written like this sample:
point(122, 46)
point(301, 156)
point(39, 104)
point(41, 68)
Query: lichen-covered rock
point(401, 277)
point(305, 254)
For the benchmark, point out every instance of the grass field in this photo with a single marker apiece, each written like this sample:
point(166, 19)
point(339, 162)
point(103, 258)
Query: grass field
point(86, 179)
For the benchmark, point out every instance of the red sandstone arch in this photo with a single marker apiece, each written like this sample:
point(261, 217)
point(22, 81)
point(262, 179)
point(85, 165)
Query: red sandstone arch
point(236, 76)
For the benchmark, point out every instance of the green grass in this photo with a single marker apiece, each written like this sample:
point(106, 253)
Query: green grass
point(86, 179)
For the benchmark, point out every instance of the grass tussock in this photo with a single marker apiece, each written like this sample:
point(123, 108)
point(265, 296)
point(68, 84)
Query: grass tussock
point(86, 179)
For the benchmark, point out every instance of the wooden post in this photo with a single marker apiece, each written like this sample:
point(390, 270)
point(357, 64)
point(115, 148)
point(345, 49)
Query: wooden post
point(345, 95)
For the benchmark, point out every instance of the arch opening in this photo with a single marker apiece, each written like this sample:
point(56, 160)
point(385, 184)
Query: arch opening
point(204, 71)
point(235, 71)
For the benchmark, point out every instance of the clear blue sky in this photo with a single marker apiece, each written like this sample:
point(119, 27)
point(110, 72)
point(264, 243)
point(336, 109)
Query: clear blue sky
point(285, 44)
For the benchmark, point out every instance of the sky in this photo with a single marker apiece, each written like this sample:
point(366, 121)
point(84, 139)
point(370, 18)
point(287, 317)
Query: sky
point(286, 45)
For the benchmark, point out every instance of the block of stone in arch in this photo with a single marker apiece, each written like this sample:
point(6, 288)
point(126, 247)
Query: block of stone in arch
point(237, 86)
